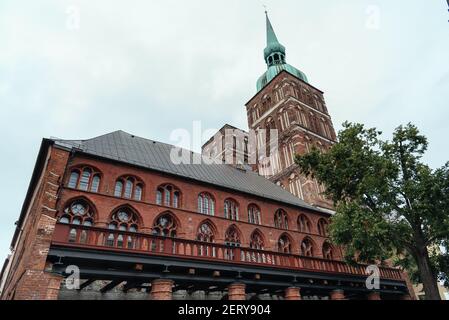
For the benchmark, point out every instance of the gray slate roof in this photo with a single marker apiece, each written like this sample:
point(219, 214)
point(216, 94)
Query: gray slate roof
point(129, 149)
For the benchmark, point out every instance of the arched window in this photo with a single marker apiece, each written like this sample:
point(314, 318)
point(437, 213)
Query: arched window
point(95, 183)
point(124, 219)
point(254, 214)
point(206, 204)
point(257, 241)
point(165, 226)
point(232, 240)
point(307, 248)
point(74, 176)
point(118, 188)
point(304, 224)
point(231, 210)
point(328, 252)
point(205, 233)
point(85, 178)
point(285, 244)
point(322, 227)
point(129, 187)
point(78, 212)
point(232, 237)
point(169, 196)
point(129, 184)
point(281, 219)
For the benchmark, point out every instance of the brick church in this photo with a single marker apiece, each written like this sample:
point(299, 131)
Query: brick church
point(113, 217)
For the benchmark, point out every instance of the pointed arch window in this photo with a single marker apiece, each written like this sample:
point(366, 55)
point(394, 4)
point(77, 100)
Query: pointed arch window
point(78, 212)
point(232, 241)
point(124, 219)
point(328, 252)
point(232, 237)
point(129, 188)
point(257, 242)
point(165, 226)
point(281, 219)
point(206, 204)
point(304, 224)
point(254, 215)
point(168, 195)
point(285, 244)
point(231, 210)
point(85, 179)
point(205, 233)
point(323, 227)
point(307, 249)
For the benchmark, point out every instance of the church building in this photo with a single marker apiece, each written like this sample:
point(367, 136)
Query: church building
point(113, 217)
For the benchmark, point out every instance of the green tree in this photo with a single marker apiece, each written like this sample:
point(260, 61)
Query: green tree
point(388, 203)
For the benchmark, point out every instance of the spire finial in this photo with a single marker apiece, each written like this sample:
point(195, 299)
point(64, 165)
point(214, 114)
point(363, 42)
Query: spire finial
point(274, 53)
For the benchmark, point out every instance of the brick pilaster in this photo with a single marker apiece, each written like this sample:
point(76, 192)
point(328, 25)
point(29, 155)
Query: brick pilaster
point(338, 295)
point(236, 292)
point(374, 296)
point(293, 293)
point(161, 289)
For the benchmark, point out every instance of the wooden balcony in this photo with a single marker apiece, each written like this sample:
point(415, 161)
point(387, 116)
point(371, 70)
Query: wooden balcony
point(139, 243)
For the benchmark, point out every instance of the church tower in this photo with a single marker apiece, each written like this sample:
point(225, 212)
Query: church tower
point(287, 102)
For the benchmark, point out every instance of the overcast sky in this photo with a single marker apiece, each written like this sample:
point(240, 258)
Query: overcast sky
point(76, 69)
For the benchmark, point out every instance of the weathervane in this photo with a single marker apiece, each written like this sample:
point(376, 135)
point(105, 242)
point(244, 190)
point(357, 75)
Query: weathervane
point(266, 8)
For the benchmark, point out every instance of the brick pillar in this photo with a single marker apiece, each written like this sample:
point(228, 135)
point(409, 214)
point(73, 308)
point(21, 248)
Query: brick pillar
point(236, 292)
point(161, 289)
point(374, 296)
point(338, 295)
point(38, 285)
point(293, 293)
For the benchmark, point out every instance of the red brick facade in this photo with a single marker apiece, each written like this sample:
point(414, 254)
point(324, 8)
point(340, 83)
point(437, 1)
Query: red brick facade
point(29, 279)
point(187, 216)
point(299, 113)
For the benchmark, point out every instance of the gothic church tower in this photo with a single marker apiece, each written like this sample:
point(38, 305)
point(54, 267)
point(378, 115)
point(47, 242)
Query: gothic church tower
point(287, 102)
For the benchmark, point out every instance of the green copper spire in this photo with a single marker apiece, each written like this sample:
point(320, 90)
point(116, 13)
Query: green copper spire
point(274, 55)
point(271, 35)
point(274, 52)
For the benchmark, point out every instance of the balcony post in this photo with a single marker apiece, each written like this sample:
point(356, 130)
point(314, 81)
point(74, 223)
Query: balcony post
point(292, 293)
point(168, 246)
point(338, 295)
point(161, 289)
point(236, 292)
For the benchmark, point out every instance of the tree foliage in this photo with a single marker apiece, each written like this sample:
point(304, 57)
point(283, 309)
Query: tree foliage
point(388, 202)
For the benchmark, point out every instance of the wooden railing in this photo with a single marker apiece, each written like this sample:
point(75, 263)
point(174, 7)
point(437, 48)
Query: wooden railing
point(113, 240)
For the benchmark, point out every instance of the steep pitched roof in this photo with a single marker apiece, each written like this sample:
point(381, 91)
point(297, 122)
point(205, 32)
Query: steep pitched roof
point(129, 149)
